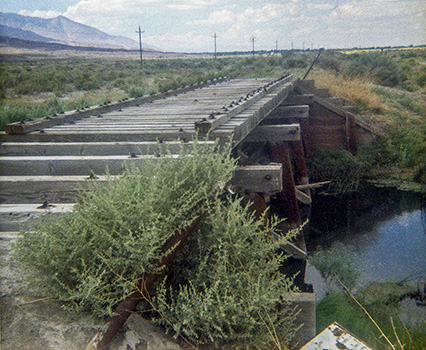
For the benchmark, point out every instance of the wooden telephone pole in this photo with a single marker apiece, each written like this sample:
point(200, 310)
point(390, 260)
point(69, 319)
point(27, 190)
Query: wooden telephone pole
point(215, 52)
point(140, 42)
point(252, 40)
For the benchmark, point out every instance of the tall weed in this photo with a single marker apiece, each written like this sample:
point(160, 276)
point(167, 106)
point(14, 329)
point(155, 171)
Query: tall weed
point(355, 89)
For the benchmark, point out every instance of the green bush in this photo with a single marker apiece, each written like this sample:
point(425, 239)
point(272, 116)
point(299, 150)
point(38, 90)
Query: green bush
point(225, 285)
point(228, 287)
point(383, 68)
point(378, 152)
point(343, 169)
point(121, 229)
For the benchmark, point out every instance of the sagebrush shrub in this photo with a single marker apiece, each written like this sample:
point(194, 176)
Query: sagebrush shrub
point(119, 230)
point(224, 286)
point(228, 286)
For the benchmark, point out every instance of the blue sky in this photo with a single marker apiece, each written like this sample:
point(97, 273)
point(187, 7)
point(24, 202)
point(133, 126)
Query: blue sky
point(189, 25)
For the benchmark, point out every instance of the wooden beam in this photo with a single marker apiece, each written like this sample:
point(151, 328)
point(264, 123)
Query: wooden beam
point(288, 112)
point(274, 133)
point(311, 186)
point(295, 99)
point(350, 131)
point(29, 188)
point(258, 178)
point(294, 251)
point(93, 136)
point(303, 197)
point(94, 148)
point(300, 172)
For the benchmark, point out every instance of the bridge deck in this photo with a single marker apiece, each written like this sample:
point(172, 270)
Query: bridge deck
point(228, 108)
point(80, 143)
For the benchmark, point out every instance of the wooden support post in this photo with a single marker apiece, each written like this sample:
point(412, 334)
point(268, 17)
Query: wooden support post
point(125, 308)
point(280, 153)
point(350, 131)
point(301, 173)
point(259, 204)
point(307, 137)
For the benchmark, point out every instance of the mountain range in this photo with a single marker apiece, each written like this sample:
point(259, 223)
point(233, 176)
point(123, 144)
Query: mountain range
point(61, 30)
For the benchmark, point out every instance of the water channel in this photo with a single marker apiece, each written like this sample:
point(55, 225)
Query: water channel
point(385, 227)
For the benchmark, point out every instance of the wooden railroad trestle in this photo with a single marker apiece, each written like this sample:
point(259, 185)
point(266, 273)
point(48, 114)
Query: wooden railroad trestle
point(271, 124)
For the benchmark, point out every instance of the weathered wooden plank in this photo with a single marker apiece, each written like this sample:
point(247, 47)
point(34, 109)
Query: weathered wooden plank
point(312, 185)
point(35, 189)
point(93, 148)
point(258, 178)
point(91, 136)
point(125, 128)
point(30, 188)
point(69, 165)
point(17, 217)
point(303, 197)
point(351, 139)
point(295, 99)
point(286, 112)
point(274, 133)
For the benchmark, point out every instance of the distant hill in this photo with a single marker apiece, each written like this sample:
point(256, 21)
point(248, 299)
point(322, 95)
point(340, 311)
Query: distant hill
point(61, 30)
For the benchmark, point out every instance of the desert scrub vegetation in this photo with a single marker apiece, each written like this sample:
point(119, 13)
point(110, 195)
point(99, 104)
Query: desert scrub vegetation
point(223, 287)
point(28, 86)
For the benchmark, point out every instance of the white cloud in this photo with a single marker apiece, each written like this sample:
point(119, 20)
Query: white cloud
point(41, 14)
point(192, 41)
point(184, 5)
point(188, 25)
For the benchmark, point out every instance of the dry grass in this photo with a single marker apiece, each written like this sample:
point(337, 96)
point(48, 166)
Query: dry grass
point(355, 90)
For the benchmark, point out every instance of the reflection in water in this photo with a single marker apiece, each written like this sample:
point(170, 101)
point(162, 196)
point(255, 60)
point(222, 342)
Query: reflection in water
point(385, 227)
point(394, 250)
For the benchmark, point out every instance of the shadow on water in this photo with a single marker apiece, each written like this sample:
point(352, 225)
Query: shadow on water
point(384, 226)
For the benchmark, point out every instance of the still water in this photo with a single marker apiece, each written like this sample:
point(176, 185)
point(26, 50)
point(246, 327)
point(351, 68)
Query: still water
point(385, 227)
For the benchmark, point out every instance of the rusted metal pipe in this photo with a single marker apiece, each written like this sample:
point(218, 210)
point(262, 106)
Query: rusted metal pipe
point(124, 309)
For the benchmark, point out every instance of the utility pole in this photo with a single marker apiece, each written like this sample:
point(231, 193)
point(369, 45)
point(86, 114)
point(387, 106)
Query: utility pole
point(291, 46)
point(215, 52)
point(276, 46)
point(140, 42)
point(252, 40)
